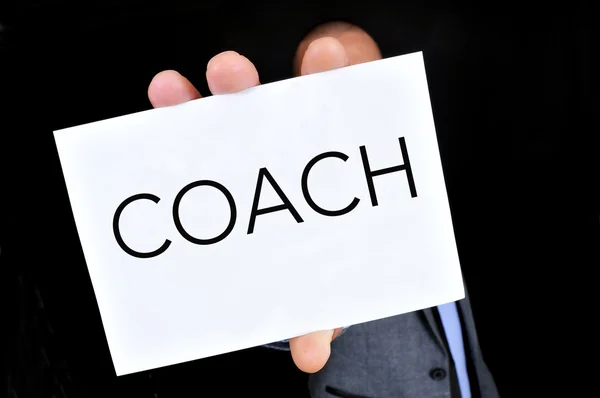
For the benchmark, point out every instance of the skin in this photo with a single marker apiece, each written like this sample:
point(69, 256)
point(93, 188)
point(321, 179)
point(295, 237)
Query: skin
point(329, 46)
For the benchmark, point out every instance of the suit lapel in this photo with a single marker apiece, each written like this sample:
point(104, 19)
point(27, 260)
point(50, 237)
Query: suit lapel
point(469, 330)
point(432, 327)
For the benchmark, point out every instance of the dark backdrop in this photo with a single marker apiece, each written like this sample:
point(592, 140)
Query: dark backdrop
point(514, 93)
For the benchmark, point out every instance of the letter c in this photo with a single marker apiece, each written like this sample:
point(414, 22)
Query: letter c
point(117, 232)
point(308, 198)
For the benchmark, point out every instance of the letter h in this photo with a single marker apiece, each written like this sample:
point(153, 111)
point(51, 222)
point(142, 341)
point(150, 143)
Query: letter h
point(370, 174)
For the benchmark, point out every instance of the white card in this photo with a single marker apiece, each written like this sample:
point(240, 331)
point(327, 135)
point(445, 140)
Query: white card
point(188, 279)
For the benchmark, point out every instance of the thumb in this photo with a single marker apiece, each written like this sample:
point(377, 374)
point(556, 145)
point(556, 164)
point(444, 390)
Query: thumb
point(310, 352)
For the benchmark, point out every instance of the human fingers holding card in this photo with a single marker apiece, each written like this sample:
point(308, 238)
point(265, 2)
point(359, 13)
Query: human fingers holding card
point(227, 72)
point(329, 46)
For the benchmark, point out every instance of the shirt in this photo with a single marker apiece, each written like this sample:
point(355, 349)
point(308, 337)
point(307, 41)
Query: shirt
point(454, 336)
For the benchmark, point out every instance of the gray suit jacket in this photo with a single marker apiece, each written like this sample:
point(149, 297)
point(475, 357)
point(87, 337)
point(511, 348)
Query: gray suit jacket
point(401, 356)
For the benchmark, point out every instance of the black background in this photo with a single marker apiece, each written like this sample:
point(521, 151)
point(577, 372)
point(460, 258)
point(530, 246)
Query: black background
point(514, 95)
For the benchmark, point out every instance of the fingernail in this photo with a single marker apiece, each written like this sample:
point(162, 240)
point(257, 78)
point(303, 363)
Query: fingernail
point(336, 333)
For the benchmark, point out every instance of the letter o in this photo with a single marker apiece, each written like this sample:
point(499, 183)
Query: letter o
point(232, 209)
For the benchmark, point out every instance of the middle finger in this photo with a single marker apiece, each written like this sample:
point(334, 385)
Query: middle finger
point(230, 72)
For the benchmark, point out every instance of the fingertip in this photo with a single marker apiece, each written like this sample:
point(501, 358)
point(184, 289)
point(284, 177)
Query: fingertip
point(311, 352)
point(230, 72)
point(169, 87)
point(359, 45)
point(336, 333)
point(324, 54)
point(216, 61)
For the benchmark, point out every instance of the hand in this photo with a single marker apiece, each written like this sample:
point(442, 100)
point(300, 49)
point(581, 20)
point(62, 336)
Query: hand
point(329, 46)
